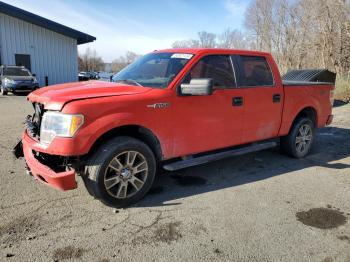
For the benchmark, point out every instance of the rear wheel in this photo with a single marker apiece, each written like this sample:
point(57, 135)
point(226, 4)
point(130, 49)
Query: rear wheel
point(120, 172)
point(2, 91)
point(299, 141)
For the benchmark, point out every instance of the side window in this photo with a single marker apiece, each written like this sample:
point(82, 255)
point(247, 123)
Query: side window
point(217, 67)
point(254, 71)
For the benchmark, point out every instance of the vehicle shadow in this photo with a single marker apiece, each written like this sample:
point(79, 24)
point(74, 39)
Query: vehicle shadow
point(20, 94)
point(332, 144)
point(12, 95)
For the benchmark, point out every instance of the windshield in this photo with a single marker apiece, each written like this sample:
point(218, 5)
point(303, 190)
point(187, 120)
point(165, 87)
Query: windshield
point(155, 70)
point(16, 71)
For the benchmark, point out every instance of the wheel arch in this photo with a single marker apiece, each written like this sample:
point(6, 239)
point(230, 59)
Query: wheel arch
point(308, 112)
point(136, 131)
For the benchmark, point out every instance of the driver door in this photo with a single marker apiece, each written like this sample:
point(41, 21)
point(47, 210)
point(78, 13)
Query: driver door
point(205, 123)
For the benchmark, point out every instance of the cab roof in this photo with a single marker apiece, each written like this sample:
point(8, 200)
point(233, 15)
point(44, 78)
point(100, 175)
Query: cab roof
point(196, 51)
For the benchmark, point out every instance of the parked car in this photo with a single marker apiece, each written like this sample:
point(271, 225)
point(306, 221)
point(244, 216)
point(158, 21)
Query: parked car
point(86, 76)
point(94, 75)
point(186, 106)
point(16, 79)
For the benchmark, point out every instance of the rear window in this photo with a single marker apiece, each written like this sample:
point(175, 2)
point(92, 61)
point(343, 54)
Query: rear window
point(254, 71)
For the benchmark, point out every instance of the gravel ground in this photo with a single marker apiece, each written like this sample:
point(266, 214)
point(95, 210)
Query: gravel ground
point(258, 207)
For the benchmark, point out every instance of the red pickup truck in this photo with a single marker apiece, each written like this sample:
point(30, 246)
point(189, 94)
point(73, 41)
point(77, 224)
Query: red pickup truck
point(186, 106)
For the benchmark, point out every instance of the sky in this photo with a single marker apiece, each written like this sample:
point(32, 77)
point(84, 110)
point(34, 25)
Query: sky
point(140, 26)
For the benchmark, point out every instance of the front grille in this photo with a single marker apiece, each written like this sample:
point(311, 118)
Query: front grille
point(33, 122)
point(22, 88)
point(24, 82)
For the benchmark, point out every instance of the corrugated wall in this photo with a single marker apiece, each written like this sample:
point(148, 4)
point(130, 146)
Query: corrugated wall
point(52, 54)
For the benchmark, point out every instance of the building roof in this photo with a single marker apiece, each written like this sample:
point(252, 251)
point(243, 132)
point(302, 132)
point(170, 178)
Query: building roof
point(16, 12)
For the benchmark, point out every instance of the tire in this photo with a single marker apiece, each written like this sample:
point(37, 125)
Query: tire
point(296, 144)
point(109, 178)
point(2, 91)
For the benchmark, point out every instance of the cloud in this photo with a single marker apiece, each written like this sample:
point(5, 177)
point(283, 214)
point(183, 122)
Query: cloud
point(138, 26)
point(113, 46)
point(235, 7)
point(116, 32)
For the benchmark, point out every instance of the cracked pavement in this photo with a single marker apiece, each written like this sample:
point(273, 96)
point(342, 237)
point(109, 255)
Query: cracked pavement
point(242, 208)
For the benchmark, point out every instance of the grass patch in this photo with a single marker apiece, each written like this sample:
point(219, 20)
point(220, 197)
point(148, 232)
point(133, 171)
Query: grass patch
point(342, 90)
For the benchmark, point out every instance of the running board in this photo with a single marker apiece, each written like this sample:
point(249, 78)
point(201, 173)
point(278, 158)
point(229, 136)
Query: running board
point(217, 156)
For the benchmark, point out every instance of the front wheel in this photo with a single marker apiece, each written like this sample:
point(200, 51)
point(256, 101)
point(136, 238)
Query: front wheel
point(300, 138)
point(120, 172)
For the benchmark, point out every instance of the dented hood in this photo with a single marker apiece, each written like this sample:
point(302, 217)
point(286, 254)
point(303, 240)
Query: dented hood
point(56, 96)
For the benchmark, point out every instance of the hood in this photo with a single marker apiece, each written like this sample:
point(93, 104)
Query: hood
point(56, 96)
point(20, 78)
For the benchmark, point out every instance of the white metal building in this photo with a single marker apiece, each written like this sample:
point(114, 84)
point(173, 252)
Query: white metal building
point(46, 48)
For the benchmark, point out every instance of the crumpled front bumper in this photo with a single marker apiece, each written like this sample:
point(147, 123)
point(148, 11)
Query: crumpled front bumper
point(59, 180)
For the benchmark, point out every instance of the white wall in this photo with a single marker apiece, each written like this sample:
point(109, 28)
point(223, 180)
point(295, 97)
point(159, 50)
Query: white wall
point(51, 54)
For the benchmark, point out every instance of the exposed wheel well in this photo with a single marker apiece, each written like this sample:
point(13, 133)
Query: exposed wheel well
point(308, 112)
point(138, 132)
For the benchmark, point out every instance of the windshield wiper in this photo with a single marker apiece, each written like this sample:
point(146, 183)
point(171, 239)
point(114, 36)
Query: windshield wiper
point(128, 81)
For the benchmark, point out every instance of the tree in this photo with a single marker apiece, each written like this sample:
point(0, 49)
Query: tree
point(206, 40)
point(90, 61)
point(303, 33)
point(190, 43)
point(122, 61)
point(233, 39)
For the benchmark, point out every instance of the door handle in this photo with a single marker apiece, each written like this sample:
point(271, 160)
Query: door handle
point(276, 98)
point(237, 101)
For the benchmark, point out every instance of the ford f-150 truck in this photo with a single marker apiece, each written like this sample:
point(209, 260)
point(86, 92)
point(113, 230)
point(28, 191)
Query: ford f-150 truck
point(170, 109)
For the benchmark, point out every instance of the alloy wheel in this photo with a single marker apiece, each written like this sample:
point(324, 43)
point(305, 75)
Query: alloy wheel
point(303, 138)
point(126, 174)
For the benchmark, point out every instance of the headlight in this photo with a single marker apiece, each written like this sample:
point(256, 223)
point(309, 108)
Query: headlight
point(58, 124)
point(9, 81)
point(35, 81)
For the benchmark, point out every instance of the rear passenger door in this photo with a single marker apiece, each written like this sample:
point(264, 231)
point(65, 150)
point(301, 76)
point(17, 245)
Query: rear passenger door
point(263, 99)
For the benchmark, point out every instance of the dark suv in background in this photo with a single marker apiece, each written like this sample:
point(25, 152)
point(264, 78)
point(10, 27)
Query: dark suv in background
point(16, 79)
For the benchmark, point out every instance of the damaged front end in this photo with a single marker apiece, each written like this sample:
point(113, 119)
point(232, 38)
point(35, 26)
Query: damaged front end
point(32, 127)
point(53, 170)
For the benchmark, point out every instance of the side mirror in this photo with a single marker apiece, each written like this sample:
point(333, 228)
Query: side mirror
point(34, 75)
point(198, 87)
